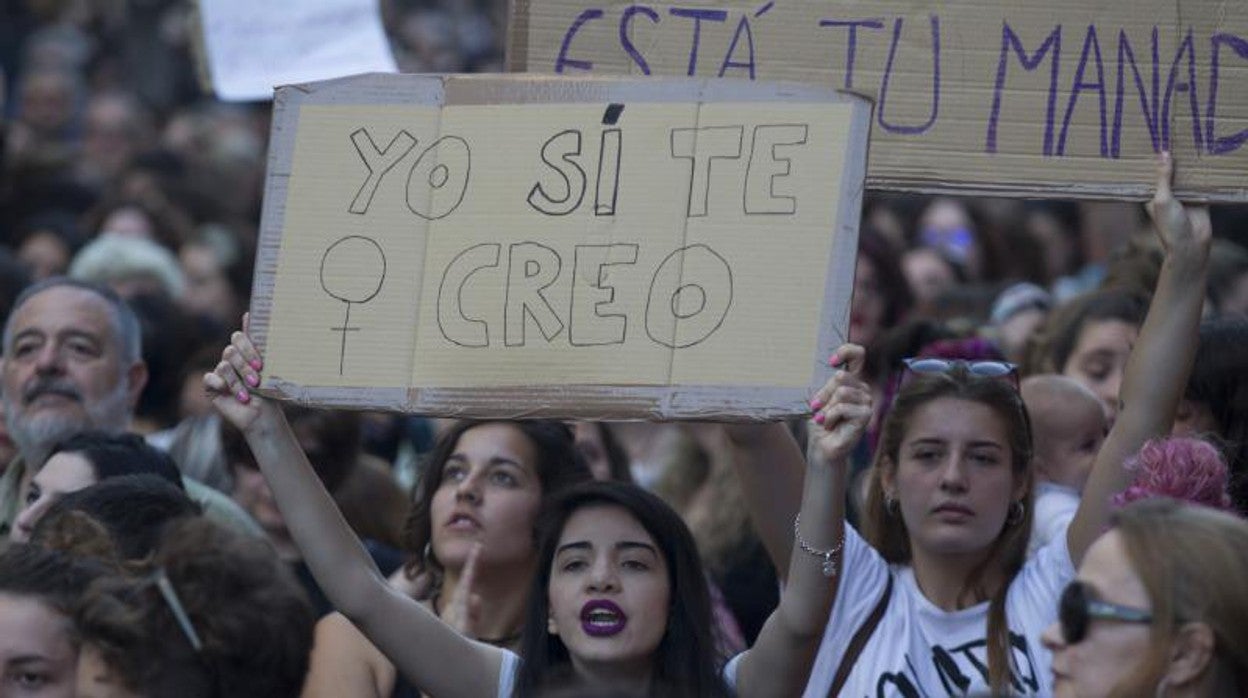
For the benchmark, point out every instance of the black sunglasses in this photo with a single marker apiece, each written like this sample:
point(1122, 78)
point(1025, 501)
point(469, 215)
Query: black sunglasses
point(1077, 607)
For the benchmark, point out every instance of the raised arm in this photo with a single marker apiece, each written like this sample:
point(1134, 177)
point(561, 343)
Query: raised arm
point(1160, 362)
point(779, 663)
point(770, 467)
point(431, 654)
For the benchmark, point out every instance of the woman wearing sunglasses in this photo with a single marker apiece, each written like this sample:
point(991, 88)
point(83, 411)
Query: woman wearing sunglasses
point(936, 596)
point(1158, 607)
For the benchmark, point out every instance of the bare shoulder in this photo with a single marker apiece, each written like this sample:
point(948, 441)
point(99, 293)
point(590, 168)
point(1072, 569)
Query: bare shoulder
point(343, 655)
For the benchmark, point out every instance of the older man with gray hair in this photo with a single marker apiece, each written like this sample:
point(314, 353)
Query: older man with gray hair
point(72, 362)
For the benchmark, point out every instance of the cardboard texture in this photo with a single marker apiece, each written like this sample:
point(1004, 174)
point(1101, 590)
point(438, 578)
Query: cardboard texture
point(245, 48)
point(1069, 99)
point(525, 246)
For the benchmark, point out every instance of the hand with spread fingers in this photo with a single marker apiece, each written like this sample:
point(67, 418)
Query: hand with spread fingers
point(842, 408)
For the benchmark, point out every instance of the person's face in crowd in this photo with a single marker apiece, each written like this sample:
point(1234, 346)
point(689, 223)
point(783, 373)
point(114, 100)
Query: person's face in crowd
point(1068, 437)
point(107, 140)
point(44, 254)
point(1099, 359)
point(62, 474)
point(946, 225)
point(252, 493)
point(129, 221)
point(589, 443)
point(1235, 300)
point(1112, 649)
point(36, 648)
point(1013, 334)
point(928, 274)
point(609, 592)
point(1058, 246)
point(193, 400)
point(1194, 419)
point(490, 493)
point(866, 315)
point(954, 478)
point(63, 370)
point(96, 679)
point(47, 102)
point(208, 292)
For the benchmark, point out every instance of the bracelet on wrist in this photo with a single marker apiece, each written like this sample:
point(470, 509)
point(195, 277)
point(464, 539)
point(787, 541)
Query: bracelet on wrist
point(827, 557)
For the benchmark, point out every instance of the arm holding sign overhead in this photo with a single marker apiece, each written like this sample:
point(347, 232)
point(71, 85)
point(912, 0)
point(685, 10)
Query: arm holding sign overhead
point(1161, 360)
point(435, 657)
point(780, 661)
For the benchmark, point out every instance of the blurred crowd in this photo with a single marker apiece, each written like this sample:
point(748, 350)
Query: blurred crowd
point(118, 169)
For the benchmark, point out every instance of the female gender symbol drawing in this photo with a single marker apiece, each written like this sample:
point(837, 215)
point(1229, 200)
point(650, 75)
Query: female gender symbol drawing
point(352, 271)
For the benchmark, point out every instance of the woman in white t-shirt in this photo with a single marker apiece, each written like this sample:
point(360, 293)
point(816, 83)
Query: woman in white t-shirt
point(620, 600)
point(936, 589)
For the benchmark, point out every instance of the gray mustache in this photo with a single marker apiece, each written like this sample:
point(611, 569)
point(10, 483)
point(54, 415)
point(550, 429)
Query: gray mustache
point(50, 386)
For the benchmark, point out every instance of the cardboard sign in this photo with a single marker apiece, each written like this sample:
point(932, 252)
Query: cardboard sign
point(1070, 98)
point(250, 47)
point(524, 246)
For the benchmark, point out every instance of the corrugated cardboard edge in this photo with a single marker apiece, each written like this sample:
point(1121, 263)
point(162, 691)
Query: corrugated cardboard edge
point(516, 38)
point(720, 403)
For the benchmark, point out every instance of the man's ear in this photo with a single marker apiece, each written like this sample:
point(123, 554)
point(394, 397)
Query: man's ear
point(136, 379)
point(1191, 655)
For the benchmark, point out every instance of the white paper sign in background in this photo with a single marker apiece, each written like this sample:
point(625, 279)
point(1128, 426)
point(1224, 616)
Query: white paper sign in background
point(253, 46)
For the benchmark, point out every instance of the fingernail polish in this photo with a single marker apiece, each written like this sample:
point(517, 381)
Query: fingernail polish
point(257, 364)
point(834, 361)
point(252, 380)
point(819, 418)
point(816, 404)
point(243, 397)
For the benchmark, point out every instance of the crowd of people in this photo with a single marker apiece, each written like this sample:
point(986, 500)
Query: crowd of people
point(1026, 475)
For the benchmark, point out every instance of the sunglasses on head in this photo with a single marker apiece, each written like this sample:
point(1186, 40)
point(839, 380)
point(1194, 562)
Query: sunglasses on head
point(1077, 608)
point(1002, 370)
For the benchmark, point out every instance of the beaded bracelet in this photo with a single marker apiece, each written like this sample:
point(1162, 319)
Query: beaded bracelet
point(827, 556)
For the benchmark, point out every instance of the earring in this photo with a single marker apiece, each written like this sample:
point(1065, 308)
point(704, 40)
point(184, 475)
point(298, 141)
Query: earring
point(551, 628)
point(1017, 511)
point(891, 507)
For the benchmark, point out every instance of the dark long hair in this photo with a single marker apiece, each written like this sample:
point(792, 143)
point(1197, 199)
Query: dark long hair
point(1219, 381)
point(685, 662)
point(887, 531)
point(558, 465)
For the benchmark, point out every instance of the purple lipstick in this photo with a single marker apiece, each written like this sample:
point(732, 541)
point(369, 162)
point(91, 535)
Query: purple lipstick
point(602, 618)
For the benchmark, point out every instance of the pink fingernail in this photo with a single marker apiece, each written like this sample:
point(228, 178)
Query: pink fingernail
point(819, 418)
point(834, 361)
point(816, 405)
point(243, 397)
point(257, 364)
point(252, 380)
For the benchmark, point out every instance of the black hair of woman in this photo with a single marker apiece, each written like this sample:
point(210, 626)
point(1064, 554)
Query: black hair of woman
point(1219, 384)
point(115, 455)
point(686, 657)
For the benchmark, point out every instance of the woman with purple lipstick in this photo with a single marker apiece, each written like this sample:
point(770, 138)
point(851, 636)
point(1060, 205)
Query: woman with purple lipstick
point(619, 603)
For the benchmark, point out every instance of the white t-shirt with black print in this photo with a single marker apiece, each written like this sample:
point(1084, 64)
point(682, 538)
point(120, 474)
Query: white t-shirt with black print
point(918, 649)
